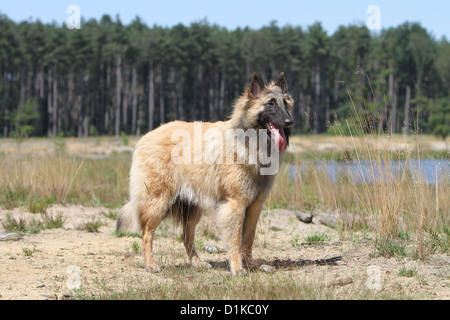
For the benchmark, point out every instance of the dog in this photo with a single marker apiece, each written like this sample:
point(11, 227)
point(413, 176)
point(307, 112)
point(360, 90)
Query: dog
point(169, 178)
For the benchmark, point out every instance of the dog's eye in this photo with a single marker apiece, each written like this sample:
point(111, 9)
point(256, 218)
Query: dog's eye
point(286, 104)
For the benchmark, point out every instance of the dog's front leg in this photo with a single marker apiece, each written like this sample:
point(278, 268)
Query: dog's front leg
point(249, 229)
point(232, 215)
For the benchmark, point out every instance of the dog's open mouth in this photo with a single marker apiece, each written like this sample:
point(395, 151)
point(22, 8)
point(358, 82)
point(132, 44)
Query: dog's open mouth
point(278, 135)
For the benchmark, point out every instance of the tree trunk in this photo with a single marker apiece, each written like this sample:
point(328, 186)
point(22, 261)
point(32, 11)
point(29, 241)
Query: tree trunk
point(327, 110)
point(222, 94)
point(362, 76)
point(118, 94)
point(55, 102)
point(407, 125)
point(247, 67)
point(392, 101)
point(195, 107)
point(151, 96)
point(109, 106)
point(211, 114)
point(134, 109)
point(49, 101)
point(172, 95)
point(336, 94)
point(36, 95)
point(180, 96)
point(378, 97)
point(70, 95)
point(5, 102)
point(299, 105)
point(161, 96)
point(316, 97)
point(201, 105)
point(41, 82)
point(87, 108)
point(216, 94)
point(126, 97)
point(308, 120)
point(81, 107)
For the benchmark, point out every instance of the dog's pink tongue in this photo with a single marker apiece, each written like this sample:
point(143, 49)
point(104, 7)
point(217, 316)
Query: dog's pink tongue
point(278, 134)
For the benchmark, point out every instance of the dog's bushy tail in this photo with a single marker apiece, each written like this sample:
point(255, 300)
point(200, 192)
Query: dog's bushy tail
point(128, 219)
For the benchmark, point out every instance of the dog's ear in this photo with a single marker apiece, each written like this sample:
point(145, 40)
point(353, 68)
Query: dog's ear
point(282, 83)
point(256, 85)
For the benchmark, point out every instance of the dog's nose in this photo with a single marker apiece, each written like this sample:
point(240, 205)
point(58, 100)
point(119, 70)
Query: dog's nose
point(289, 122)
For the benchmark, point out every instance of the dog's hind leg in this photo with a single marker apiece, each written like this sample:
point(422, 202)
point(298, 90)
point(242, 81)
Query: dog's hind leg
point(190, 218)
point(151, 216)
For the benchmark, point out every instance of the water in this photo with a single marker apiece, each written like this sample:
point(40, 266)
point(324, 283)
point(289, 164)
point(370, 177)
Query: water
point(367, 171)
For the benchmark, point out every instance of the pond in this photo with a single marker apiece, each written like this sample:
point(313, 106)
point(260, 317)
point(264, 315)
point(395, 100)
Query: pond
point(367, 171)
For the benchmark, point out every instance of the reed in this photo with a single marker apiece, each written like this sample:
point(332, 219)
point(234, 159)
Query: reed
point(36, 181)
point(384, 199)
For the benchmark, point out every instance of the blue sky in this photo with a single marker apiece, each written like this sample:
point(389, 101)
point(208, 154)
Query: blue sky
point(432, 14)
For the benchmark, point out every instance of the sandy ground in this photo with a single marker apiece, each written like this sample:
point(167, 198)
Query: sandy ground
point(61, 260)
point(66, 258)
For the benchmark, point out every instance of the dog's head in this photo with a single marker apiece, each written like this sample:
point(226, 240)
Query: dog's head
point(269, 107)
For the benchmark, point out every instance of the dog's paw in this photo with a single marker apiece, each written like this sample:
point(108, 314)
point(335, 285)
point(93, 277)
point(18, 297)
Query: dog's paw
point(201, 265)
point(154, 268)
point(266, 268)
point(252, 264)
point(239, 272)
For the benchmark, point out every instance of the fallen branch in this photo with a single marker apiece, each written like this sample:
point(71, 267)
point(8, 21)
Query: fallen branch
point(10, 237)
point(327, 220)
point(304, 216)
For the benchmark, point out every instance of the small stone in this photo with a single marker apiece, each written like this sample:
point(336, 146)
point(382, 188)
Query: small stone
point(340, 282)
point(267, 268)
point(213, 249)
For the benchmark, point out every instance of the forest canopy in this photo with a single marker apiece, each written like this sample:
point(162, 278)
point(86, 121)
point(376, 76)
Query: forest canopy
point(108, 78)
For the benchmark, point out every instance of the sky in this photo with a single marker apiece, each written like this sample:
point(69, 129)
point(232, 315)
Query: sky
point(432, 14)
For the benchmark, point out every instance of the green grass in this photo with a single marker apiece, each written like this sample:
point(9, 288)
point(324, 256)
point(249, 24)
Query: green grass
point(51, 222)
point(21, 225)
point(185, 283)
point(188, 284)
point(275, 229)
point(317, 237)
point(39, 205)
point(135, 247)
point(121, 234)
point(390, 247)
point(90, 226)
point(29, 252)
point(12, 224)
point(38, 181)
point(111, 214)
point(295, 241)
point(405, 272)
